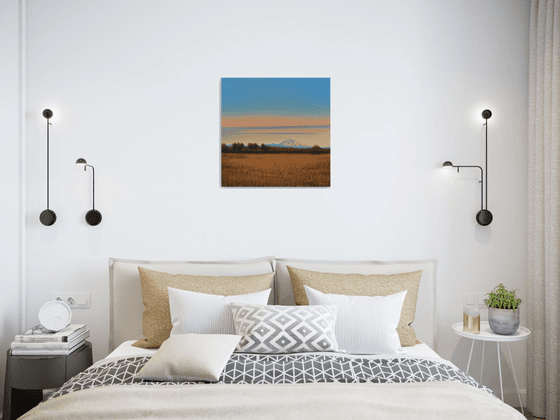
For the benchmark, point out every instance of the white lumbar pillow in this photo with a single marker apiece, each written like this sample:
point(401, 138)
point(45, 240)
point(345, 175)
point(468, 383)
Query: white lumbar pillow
point(365, 324)
point(201, 313)
point(190, 357)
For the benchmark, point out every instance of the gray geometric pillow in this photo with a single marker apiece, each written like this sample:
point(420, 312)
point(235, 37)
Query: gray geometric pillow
point(285, 329)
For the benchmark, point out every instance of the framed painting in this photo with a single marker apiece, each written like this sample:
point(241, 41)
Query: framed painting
point(276, 132)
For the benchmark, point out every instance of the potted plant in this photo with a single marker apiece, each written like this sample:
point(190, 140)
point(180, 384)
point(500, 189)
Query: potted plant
point(503, 310)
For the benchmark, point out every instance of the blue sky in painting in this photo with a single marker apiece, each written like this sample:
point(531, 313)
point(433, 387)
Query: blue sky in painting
point(276, 96)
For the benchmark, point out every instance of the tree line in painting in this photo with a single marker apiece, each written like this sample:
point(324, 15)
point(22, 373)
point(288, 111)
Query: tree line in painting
point(263, 148)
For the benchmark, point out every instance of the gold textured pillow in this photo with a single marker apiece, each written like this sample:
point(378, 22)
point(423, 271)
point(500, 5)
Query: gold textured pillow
point(156, 319)
point(363, 285)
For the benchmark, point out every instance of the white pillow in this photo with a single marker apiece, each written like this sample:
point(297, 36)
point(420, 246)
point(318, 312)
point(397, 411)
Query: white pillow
point(190, 357)
point(365, 324)
point(201, 313)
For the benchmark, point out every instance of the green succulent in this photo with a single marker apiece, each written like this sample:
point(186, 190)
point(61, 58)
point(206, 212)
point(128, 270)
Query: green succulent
point(501, 298)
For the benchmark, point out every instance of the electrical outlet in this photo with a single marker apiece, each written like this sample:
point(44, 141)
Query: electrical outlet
point(73, 299)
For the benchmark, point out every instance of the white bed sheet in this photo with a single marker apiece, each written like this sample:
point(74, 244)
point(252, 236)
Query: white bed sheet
point(127, 350)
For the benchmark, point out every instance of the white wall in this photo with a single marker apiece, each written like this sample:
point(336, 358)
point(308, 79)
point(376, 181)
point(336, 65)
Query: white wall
point(138, 84)
point(10, 178)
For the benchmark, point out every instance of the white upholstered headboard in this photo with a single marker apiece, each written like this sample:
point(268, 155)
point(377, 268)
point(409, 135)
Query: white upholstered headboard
point(126, 294)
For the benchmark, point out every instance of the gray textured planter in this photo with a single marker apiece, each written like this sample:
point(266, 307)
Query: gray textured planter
point(503, 321)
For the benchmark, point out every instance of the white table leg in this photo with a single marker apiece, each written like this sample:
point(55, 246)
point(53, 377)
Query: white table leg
point(515, 379)
point(482, 361)
point(500, 368)
point(470, 356)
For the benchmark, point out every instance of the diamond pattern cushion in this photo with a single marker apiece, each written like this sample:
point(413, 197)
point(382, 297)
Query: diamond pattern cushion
point(285, 329)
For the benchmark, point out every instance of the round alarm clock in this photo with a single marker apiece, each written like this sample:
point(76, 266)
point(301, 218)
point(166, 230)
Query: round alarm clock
point(55, 315)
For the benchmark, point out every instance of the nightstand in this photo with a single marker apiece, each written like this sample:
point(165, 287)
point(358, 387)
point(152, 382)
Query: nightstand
point(486, 334)
point(27, 376)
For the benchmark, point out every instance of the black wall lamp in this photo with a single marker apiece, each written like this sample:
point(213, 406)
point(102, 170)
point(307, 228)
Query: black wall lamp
point(48, 217)
point(483, 217)
point(93, 217)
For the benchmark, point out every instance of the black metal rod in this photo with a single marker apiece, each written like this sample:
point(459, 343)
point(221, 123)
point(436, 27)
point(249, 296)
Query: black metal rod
point(486, 167)
point(481, 181)
point(48, 163)
point(93, 169)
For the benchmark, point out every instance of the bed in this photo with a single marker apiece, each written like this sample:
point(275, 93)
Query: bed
point(413, 382)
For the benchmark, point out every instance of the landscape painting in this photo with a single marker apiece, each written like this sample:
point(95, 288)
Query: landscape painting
point(276, 132)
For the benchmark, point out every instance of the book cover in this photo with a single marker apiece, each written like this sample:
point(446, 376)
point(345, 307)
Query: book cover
point(39, 334)
point(55, 352)
point(50, 345)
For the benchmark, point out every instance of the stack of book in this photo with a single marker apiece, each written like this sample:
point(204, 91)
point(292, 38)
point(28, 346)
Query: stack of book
point(38, 341)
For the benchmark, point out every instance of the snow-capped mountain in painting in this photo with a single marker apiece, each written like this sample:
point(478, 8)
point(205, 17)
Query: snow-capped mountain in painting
point(289, 143)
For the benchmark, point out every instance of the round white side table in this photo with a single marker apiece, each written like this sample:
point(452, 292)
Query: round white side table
point(486, 334)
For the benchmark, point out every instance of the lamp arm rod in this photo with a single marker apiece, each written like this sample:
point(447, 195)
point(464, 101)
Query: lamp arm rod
point(48, 164)
point(93, 169)
point(481, 180)
point(486, 167)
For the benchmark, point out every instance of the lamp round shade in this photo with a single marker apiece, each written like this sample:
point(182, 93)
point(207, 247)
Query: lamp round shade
point(484, 217)
point(81, 161)
point(486, 114)
point(47, 217)
point(93, 217)
point(47, 113)
point(447, 164)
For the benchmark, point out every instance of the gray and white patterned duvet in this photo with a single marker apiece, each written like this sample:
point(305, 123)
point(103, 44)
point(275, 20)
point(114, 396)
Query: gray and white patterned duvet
point(285, 368)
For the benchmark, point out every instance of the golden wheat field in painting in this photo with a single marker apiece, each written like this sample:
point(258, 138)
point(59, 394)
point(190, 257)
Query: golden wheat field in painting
point(276, 170)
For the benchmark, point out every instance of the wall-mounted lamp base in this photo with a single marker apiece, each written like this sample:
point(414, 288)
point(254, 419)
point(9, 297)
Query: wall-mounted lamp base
point(484, 217)
point(93, 217)
point(47, 217)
